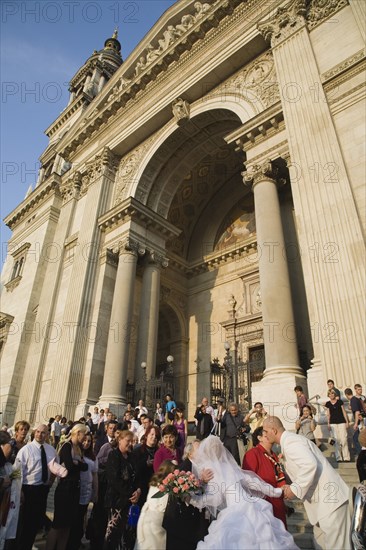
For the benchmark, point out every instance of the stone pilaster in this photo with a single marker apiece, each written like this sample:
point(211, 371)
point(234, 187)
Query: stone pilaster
point(149, 313)
point(116, 361)
point(359, 11)
point(332, 247)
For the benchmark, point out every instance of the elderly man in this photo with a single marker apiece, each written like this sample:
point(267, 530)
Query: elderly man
point(231, 425)
point(33, 460)
point(314, 481)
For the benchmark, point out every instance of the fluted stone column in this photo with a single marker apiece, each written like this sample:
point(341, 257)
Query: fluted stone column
point(329, 228)
point(116, 362)
point(149, 313)
point(278, 319)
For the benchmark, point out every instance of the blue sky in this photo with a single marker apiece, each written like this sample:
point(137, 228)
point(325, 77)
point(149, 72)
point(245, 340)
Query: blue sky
point(43, 44)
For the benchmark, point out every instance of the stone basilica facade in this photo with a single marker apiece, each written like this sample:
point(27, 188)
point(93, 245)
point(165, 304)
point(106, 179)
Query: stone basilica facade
point(209, 189)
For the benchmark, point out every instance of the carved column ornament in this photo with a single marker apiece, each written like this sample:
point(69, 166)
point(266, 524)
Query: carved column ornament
point(262, 172)
point(159, 259)
point(287, 20)
point(129, 245)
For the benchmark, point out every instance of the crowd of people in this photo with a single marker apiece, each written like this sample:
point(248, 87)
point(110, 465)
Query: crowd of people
point(109, 469)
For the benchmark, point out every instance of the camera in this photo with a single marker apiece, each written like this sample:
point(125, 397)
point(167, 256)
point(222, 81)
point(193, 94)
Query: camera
point(331, 441)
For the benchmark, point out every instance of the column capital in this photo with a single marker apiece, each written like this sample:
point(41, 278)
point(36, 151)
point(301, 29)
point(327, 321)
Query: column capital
point(265, 171)
point(129, 245)
point(159, 259)
point(286, 21)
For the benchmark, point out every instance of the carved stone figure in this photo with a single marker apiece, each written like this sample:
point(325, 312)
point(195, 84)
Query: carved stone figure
point(140, 66)
point(186, 22)
point(152, 54)
point(201, 9)
point(181, 110)
point(169, 36)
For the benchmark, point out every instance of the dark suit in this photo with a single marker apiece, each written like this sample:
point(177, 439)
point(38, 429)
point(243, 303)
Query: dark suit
point(204, 424)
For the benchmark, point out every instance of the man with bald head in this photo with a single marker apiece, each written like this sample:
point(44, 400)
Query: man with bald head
point(33, 460)
point(314, 481)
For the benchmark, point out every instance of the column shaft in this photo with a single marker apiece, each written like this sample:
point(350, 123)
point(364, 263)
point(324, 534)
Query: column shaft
point(278, 319)
point(116, 362)
point(149, 318)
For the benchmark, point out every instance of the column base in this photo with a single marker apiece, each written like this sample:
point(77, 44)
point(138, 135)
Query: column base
point(116, 405)
point(277, 394)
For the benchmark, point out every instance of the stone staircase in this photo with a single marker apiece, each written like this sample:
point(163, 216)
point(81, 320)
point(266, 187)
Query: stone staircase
point(298, 524)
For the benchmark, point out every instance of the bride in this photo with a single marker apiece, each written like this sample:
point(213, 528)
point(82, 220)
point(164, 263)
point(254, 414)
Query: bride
point(245, 520)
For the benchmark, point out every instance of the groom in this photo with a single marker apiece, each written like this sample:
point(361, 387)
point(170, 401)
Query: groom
point(315, 482)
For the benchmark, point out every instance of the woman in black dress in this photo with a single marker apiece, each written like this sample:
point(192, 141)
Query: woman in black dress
point(122, 491)
point(67, 492)
point(143, 458)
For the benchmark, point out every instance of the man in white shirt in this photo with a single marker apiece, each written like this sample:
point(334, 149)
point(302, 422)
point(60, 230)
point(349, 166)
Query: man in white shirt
point(33, 460)
point(95, 419)
point(56, 430)
point(140, 409)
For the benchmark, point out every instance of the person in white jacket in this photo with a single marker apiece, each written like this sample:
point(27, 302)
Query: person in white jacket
point(314, 481)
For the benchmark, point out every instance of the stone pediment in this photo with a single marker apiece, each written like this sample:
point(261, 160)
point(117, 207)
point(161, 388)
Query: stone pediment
point(173, 35)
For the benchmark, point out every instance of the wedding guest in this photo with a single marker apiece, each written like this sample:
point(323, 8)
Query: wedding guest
point(357, 412)
point(170, 406)
point(182, 428)
point(255, 419)
point(10, 489)
point(159, 417)
point(141, 409)
point(122, 491)
point(231, 423)
point(305, 425)
point(143, 457)
point(301, 399)
point(337, 425)
point(106, 436)
point(146, 422)
point(67, 493)
point(32, 459)
point(185, 525)
point(331, 386)
point(21, 430)
point(150, 532)
point(265, 463)
point(312, 476)
point(56, 431)
point(204, 422)
point(361, 459)
point(168, 449)
point(88, 492)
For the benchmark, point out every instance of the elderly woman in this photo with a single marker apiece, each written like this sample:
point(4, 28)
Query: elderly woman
point(168, 449)
point(143, 457)
point(122, 491)
point(264, 462)
point(67, 494)
point(21, 430)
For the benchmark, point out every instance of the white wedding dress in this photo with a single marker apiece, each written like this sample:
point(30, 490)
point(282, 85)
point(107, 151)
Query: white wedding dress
point(245, 521)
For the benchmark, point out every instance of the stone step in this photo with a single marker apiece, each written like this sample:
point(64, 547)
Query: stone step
point(305, 541)
point(299, 525)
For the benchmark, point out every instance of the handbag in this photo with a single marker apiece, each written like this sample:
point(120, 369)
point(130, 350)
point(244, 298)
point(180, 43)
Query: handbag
point(133, 515)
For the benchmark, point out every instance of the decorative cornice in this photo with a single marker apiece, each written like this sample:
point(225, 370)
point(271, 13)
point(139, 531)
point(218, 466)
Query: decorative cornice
point(21, 250)
point(40, 193)
point(70, 188)
point(258, 128)
point(131, 209)
point(206, 17)
point(344, 66)
point(5, 322)
point(322, 9)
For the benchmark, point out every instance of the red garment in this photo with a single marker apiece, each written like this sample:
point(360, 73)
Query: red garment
point(163, 453)
point(255, 460)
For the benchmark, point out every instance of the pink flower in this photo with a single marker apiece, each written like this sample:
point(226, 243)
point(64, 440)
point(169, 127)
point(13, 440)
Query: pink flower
point(161, 488)
point(165, 481)
point(175, 490)
point(185, 487)
point(176, 472)
point(181, 480)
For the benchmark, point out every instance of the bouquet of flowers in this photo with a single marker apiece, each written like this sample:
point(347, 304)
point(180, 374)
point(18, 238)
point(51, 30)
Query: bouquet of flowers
point(180, 484)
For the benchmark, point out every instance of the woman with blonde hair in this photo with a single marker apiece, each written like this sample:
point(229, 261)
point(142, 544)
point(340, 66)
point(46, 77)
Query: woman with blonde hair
point(67, 494)
point(21, 430)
